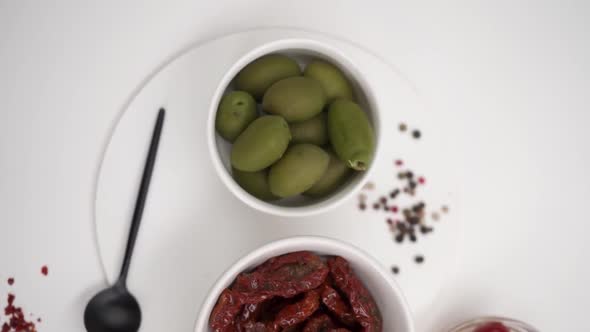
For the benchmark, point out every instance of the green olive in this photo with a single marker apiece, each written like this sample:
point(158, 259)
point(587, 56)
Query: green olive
point(313, 131)
point(331, 78)
point(236, 111)
point(261, 144)
point(294, 98)
point(299, 169)
point(261, 73)
point(351, 134)
point(334, 177)
point(255, 183)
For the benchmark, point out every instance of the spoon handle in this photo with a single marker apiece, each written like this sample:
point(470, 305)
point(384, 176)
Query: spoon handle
point(142, 195)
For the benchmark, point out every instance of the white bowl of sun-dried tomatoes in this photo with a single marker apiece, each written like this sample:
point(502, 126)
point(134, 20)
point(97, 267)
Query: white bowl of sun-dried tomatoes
point(305, 284)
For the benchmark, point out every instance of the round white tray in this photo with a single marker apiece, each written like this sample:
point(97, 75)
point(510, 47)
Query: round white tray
point(194, 228)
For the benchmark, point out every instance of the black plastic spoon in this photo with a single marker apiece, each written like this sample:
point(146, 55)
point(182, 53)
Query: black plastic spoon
point(115, 309)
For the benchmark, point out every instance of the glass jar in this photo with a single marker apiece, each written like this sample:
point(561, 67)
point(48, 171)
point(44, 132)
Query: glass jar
point(511, 324)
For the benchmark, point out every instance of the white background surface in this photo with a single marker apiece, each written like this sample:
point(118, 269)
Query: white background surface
point(510, 79)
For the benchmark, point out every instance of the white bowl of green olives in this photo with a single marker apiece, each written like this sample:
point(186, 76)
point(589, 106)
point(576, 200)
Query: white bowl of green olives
point(293, 128)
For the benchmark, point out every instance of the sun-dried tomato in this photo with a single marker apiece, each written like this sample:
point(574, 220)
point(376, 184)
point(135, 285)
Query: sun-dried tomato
point(223, 316)
point(249, 315)
point(284, 276)
point(363, 306)
point(274, 306)
point(319, 323)
point(295, 328)
point(254, 316)
point(262, 327)
point(337, 306)
point(251, 312)
point(297, 312)
point(254, 327)
point(298, 258)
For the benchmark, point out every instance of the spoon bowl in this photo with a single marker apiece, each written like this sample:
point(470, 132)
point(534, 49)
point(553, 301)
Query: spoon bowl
point(113, 310)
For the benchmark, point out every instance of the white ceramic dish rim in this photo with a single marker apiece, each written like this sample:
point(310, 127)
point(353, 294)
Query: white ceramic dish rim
point(290, 244)
point(345, 192)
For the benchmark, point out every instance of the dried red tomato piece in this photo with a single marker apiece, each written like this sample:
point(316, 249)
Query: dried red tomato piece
point(254, 327)
point(298, 312)
point(249, 315)
point(298, 257)
point(253, 316)
point(294, 328)
point(284, 276)
point(341, 329)
point(363, 306)
point(337, 306)
point(319, 323)
point(254, 297)
point(226, 310)
point(274, 306)
point(251, 312)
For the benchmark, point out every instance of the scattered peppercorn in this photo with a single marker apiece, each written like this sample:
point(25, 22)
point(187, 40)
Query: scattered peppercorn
point(416, 134)
point(400, 237)
point(10, 281)
point(403, 227)
point(425, 229)
point(407, 213)
point(413, 220)
point(394, 194)
point(403, 127)
point(417, 208)
point(369, 186)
